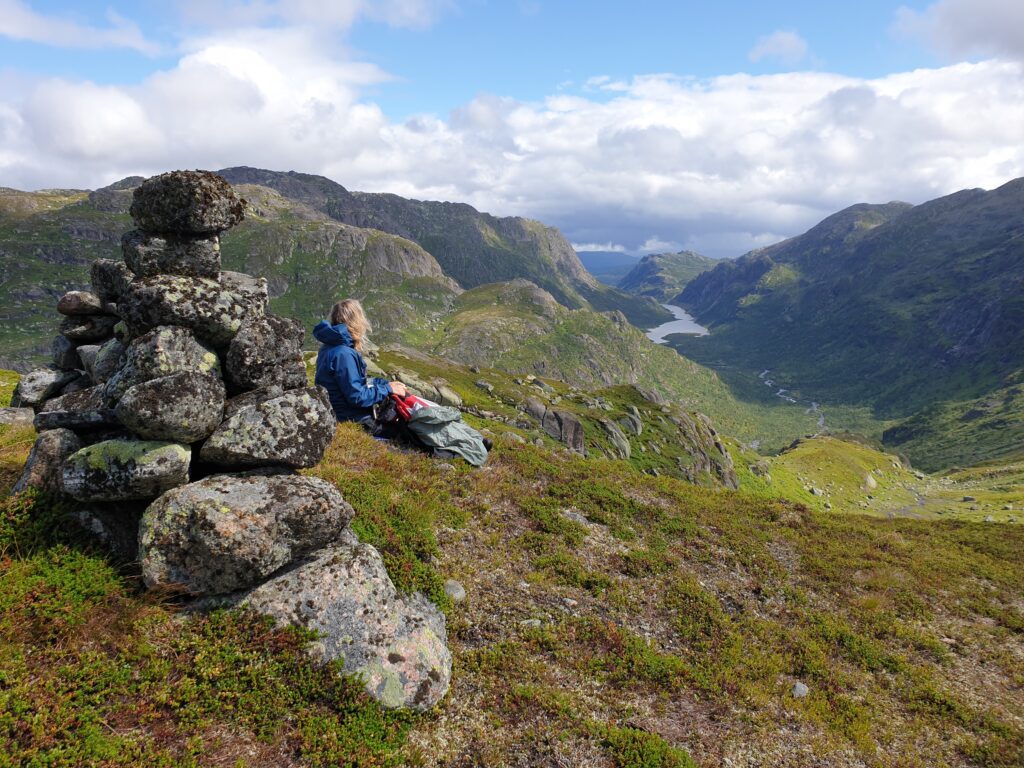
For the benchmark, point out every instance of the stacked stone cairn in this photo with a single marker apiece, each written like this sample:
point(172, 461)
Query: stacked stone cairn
point(174, 418)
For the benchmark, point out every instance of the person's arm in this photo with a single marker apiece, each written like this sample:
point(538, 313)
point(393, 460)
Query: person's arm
point(358, 391)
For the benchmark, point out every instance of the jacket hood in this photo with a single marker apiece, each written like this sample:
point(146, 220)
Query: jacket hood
point(332, 335)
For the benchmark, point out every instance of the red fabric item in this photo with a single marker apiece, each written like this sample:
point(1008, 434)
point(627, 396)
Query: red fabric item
point(408, 405)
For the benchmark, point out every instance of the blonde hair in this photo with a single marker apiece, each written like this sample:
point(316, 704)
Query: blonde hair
point(350, 312)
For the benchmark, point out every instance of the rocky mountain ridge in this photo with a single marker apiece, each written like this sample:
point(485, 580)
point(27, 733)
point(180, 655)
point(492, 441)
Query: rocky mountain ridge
point(662, 276)
point(893, 306)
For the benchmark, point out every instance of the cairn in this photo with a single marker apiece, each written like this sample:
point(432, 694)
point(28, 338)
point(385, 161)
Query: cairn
point(174, 416)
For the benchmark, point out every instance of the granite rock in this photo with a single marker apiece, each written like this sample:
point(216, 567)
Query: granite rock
point(214, 312)
point(229, 532)
point(396, 644)
point(266, 351)
point(292, 430)
point(186, 202)
point(118, 470)
point(184, 407)
point(148, 255)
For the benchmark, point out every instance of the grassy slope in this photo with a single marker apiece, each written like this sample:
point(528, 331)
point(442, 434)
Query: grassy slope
point(674, 623)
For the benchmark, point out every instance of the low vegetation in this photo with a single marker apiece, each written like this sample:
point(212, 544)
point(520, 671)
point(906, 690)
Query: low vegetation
point(612, 619)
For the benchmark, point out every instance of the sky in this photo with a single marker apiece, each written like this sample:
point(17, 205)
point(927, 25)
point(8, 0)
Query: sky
point(641, 126)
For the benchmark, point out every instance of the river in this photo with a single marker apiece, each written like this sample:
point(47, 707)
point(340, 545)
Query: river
point(681, 323)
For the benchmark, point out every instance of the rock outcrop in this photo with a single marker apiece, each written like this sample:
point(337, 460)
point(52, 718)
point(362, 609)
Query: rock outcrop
point(139, 387)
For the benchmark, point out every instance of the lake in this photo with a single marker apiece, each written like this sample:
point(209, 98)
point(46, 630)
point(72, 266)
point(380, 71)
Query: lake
point(682, 323)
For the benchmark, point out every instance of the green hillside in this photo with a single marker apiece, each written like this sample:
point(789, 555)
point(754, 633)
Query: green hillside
point(612, 618)
point(896, 307)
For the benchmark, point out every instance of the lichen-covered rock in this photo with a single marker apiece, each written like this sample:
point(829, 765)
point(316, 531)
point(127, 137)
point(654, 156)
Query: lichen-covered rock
point(118, 470)
point(213, 311)
point(147, 254)
point(161, 352)
point(184, 407)
point(250, 399)
point(266, 351)
point(65, 353)
point(109, 278)
point(80, 303)
point(564, 426)
point(78, 421)
point(293, 430)
point(107, 361)
point(251, 288)
point(229, 532)
point(83, 400)
point(396, 645)
point(40, 385)
point(43, 467)
point(82, 328)
point(186, 202)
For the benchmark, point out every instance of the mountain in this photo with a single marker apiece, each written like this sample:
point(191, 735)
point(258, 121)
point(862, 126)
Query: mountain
point(896, 306)
point(48, 241)
point(663, 275)
point(608, 266)
point(472, 247)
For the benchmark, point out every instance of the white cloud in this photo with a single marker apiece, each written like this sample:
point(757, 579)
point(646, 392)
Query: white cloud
point(719, 165)
point(655, 244)
point(608, 247)
point(19, 22)
point(785, 45)
point(968, 27)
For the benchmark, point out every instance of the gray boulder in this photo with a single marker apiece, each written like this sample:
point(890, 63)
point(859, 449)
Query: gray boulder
point(110, 279)
point(397, 645)
point(183, 407)
point(565, 427)
point(87, 357)
point(83, 328)
point(43, 467)
point(266, 351)
point(254, 289)
point(147, 254)
point(250, 399)
point(212, 311)
point(186, 202)
point(80, 303)
point(535, 408)
point(632, 421)
point(78, 421)
point(292, 430)
point(118, 470)
point(40, 385)
point(229, 532)
point(65, 353)
point(106, 362)
point(161, 352)
point(620, 443)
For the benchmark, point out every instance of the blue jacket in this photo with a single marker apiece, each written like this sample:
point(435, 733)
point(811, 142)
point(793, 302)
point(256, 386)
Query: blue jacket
point(341, 370)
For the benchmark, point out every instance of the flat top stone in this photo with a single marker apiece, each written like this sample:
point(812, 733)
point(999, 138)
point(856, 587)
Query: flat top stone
point(186, 202)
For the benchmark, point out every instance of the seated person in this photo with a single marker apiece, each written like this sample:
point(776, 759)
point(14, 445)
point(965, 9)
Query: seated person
point(341, 370)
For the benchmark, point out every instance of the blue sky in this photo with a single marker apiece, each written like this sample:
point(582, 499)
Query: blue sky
point(642, 126)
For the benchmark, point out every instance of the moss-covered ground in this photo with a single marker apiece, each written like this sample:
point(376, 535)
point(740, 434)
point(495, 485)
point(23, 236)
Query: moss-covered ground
point(612, 619)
